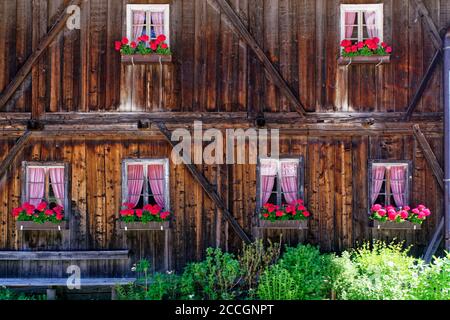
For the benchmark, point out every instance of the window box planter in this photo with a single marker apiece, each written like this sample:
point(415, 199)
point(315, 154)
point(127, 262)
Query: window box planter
point(139, 226)
point(378, 60)
point(389, 225)
point(47, 226)
point(145, 59)
point(284, 224)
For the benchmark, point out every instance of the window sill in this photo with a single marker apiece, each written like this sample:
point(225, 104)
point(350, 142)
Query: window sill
point(287, 224)
point(145, 59)
point(139, 226)
point(395, 225)
point(378, 60)
point(47, 226)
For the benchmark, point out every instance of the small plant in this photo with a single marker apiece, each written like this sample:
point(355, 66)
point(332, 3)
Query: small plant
point(294, 211)
point(434, 281)
point(215, 278)
point(143, 45)
point(399, 215)
point(147, 214)
point(369, 47)
point(6, 294)
point(277, 283)
point(41, 213)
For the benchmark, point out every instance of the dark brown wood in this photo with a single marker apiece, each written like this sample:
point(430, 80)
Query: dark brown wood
point(423, 85)
point(47, 226)
point(14, 152)
point(395, 225)
point(64, 255)
point(287, 225)
point(273, 73)
point(378, 60)
point(430, 156)
point(138, 226)
point(145, 59)
point(28, 65)
point(431, 26)
point(208, 188)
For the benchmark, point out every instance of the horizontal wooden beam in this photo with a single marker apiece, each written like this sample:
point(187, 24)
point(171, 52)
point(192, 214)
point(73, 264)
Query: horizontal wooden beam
point(63, 255)
point(43, 45)
point(272, 72)
point(62, 282)
point(15, 150)
point(209, 189)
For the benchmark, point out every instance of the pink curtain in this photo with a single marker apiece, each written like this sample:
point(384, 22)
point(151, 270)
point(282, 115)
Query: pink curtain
point(156, 178)
point(158, 22)
point(135, 183)
point(289, 181)
point(377, 181)
point(138, 24)
point(350, 19)
point(57, 181)
point(36, 185)
point(398, 184)
point(268, 174)
point(372, 30)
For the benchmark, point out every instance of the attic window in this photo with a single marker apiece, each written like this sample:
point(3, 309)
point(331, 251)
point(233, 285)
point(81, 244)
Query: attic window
point(148, 19)
point(360, 22)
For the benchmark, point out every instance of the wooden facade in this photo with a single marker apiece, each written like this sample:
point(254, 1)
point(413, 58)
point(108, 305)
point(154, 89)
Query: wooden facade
point(89, 104)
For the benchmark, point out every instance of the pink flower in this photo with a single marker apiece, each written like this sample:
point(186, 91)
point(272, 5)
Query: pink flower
point(129, 205)
point(280, 214)
point(415, 211)
point(426, 212)
point(300, 201)
point(389, 49)
point(382, 212)
point(125, 41)
point(59, 217)
point(17, 212)
point(376, 207)
point(41, 207)
point(118, 45)
point(360, 45)
point(165, 215)
point(139, 213)
point(164, 46)
point(306, 214)
point(49, 212)
point(290, 209)
point(384, 45)
point(133, 45)
point(407, 208)
point(392, 216)
point(376, 40)
point(346, 43)
point(421, 207)
point(404, 214)
point(162, 38)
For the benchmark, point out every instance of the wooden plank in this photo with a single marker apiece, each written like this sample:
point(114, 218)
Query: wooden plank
point(272, 72)
point(432, 247)
point(14, 151)
point(63, 255)
point(429, 155)
point(62, 282)
point(429, 23)
point(212, 193)
point(28, 65)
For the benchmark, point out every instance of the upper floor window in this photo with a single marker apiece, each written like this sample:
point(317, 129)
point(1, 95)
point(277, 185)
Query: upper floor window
point(45, 182)
point(360, 22)
point(146, 182)
point(280, 181)
point(390, 183)
point(148, 19)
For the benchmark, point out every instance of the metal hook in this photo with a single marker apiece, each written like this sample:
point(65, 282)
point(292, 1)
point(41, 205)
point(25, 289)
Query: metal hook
point(132, 60)
point(348, 65)
point(126, 228)
point(379, 63)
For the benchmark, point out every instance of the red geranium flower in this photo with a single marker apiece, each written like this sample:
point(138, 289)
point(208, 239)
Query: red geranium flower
point(41, 207)
point(139, 213)
point(118, 45)
point(346, 43)
point(165, 215)
point(153, 46)
point(280, 213)
point(49, 212)
point(389, 49)
point(133, 45)
point(306, 214)
point(125, 41)
point(164, 46)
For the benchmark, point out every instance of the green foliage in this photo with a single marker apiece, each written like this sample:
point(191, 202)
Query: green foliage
point(302, 274)
point(381, 272)
point(216, 278)
point(434, 281)
point(6, 294)
point(254, 259)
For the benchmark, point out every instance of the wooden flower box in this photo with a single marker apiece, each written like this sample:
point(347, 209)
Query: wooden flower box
point(389, 225)
point(284, 224)
point(139, 226)
point(346, 61)
point(47, 226)
point(145, 59)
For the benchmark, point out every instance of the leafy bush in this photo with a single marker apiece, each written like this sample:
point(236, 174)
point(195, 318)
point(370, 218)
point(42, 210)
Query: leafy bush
point(213, 279)
point(434, 281)
point(254, 260)
point(306, 274)
point(383, 272)
point(6, 294)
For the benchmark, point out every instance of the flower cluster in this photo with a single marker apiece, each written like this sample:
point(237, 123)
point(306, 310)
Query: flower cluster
point(147, 214)
point(368, 47)
point(41, 213)
point(294, 211)
point(417, 215)
point(143, 45)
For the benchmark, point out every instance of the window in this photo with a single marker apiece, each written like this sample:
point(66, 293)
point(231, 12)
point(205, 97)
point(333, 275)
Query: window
point(280, 181)
point(390, 183)
point(45, 182)
point(146, 182)
point(361, 21)
point(149, 19)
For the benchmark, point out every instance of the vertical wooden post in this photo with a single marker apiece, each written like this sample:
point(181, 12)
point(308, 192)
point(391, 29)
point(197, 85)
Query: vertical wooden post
point(51, 294)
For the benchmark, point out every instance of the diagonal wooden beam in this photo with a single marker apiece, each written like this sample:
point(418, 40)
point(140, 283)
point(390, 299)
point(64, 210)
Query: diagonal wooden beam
point(429, 23)
point(15, 150)
point(28, 65)
point(272, 72)
point(209, 189)
point(423, 85)
point(432, 247)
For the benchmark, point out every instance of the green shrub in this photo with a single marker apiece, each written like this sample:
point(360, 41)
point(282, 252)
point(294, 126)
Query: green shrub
point(434, 281)
point(306, 274)
point(383, 272)
point(215, 278)
point(6, 294)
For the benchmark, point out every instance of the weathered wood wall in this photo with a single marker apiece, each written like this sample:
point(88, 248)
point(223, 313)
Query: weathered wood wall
point(335, 186)
point(213, 70)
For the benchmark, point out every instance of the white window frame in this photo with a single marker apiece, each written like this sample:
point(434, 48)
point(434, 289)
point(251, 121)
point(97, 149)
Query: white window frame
point(146, 163)
point(148, 8)
point(377, 7)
